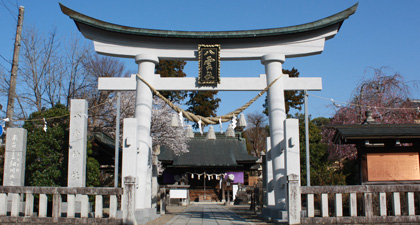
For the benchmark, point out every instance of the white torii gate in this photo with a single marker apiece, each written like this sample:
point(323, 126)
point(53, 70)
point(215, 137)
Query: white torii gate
point(271, 46)
point(277, 112)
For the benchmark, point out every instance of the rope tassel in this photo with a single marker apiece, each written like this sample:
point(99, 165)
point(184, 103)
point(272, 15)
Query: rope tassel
point(45, 126)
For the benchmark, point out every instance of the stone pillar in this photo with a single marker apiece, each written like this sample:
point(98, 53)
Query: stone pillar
point(77, 143)
point(223, 191)
point(155, 184)
point(268, 212)
point(268, 177)
point(277, 115)
point(130, 151)
point(234, 191)
point(292, 159)
point(128, 205)
point(148, 200)
point(294, 199)
point(15, 157)
point(143, 114)
point(292, 147)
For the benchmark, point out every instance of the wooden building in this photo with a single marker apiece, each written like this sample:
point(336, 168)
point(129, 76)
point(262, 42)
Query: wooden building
point(204, 166)
point(386, 153)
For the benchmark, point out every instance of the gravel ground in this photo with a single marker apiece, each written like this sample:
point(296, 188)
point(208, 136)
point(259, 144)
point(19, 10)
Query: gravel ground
point(241, 210)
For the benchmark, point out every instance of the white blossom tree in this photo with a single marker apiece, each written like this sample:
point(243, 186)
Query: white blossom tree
point(163, 133)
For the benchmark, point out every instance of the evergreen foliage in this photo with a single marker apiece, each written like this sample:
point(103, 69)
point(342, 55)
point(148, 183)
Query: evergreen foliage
point(172, 69)
point(46, 156)
point(293, 99)
point(47, 152)
point(323, 171)
point(92, 169)
point(203, 103)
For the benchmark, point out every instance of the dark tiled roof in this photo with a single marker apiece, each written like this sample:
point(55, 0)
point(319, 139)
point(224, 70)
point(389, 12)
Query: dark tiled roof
point(103, 148)
point(351, 133)
point(325, 22)
point(224, 151)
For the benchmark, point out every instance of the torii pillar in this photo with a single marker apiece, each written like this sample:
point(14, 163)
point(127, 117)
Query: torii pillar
point(277, 115)
point(143, 115)
point(271, 46)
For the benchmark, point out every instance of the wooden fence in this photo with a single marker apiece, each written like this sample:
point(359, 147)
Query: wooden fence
point(359, 204)
point(17, 204)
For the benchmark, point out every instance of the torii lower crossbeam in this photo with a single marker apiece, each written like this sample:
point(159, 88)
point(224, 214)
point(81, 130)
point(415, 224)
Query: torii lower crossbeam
point(226, 84)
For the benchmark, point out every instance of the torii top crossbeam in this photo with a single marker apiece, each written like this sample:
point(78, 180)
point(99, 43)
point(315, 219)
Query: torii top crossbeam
point(293, 41)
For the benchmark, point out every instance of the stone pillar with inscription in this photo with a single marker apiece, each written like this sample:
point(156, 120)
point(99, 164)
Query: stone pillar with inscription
point(15, 157)
point(77, 143)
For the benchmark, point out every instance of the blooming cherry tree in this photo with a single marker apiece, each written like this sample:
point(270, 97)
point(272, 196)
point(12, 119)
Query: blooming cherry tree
point(386, 96)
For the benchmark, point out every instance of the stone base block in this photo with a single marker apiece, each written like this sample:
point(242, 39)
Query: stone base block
point(279, 215)
point(275, 215)
point(266, 214)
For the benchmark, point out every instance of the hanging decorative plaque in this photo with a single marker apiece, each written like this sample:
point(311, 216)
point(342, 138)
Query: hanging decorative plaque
point(209, 64)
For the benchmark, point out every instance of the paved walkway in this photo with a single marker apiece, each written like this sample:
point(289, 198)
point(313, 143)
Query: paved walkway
point(208, 215)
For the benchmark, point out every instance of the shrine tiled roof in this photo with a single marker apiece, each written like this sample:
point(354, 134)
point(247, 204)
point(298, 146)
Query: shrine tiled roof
point(347, 134)
point(102, 25)
point(224, 151)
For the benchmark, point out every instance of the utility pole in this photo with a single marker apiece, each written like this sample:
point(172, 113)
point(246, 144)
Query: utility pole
point(15, 63)
point(308, 165)
point(117, 140)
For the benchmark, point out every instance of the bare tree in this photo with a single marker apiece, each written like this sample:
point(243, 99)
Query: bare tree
point(39, 65)
point(51, 72)
point(256, 133)
point(4, 89)
point(76, 78)
point(101, 103)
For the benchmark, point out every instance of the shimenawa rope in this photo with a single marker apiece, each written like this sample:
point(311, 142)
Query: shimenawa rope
point(208, 120)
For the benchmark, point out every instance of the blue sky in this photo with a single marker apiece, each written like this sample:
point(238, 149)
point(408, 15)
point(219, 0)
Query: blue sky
point(380, 33)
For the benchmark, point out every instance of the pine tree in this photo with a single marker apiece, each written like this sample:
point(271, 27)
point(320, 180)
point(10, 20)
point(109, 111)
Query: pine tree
point(293, 99)
point(172, 69)
point(203, 103)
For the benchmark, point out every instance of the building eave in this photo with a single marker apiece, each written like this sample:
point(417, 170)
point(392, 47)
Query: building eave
point(351, 134)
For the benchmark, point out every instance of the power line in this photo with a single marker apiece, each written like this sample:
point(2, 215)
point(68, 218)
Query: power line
point(68, 114)
point(8, 61)
point(14, 15)
point(334, 102)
